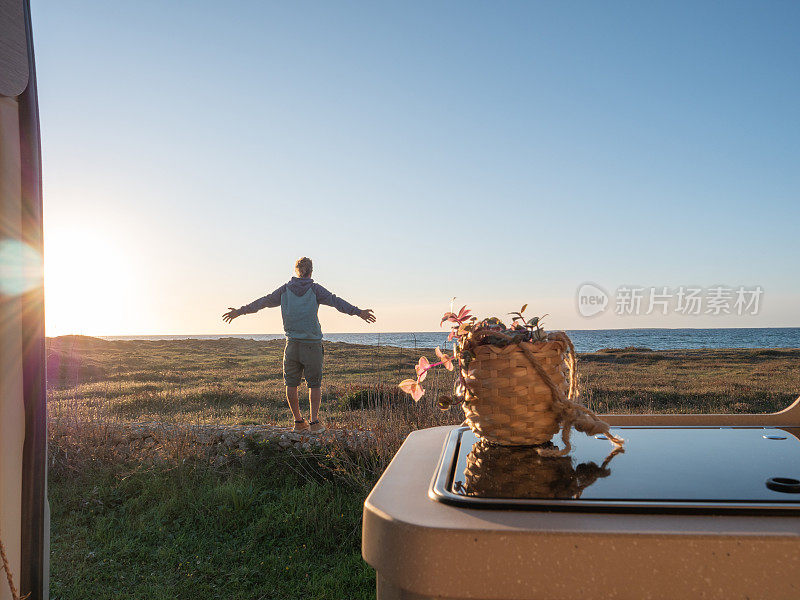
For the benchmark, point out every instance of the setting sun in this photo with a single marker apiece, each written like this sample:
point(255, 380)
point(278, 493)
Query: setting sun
point(92, 285)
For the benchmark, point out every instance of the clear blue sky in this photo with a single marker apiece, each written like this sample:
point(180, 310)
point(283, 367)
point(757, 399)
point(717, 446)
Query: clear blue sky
point(497, 152)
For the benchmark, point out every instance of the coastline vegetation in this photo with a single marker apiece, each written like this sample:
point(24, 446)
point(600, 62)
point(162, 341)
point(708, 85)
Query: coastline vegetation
point(262, 528)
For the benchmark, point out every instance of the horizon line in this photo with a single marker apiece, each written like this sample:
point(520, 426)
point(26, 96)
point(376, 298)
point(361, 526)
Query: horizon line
point(404, 332)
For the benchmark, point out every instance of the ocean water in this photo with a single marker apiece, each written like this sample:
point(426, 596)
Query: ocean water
point(586, 340)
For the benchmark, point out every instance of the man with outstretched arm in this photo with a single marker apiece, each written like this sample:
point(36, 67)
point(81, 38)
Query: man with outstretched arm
point(299, 300)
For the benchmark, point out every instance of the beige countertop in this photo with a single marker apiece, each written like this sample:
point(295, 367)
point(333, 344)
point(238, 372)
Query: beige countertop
point(424, 547)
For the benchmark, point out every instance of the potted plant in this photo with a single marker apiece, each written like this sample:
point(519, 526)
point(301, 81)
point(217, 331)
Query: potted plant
point(516, 383)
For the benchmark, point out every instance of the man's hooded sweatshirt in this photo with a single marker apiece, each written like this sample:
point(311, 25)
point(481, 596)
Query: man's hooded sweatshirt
point(299, 300)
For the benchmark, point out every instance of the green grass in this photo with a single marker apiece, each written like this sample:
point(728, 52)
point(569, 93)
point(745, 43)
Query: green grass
point(256, 530)
point(287, 526)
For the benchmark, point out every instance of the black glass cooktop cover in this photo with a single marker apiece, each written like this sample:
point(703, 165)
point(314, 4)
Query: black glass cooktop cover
point(670, 469)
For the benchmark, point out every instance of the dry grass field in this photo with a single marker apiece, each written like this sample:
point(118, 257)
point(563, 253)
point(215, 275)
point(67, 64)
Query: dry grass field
point(238, 381)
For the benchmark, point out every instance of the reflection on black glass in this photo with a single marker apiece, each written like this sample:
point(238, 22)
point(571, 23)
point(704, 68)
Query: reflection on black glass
point(494, 471)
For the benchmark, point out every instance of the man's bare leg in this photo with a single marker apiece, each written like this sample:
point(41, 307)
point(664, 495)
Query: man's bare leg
point(314, 399)
point(294, 403)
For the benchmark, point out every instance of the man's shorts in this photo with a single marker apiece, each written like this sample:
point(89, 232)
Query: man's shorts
point(302, 358)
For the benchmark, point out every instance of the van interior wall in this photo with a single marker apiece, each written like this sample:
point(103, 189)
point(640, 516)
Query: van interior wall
point(12, 409)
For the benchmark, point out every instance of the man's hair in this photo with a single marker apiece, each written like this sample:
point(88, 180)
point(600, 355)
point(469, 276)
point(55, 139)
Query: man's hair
point(303, 267)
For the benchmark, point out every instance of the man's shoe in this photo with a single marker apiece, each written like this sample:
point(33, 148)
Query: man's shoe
point(317, 426)
point(301, 425)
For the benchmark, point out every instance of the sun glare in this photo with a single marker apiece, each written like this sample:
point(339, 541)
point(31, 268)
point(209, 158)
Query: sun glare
point(20, 268)
point(90, 284)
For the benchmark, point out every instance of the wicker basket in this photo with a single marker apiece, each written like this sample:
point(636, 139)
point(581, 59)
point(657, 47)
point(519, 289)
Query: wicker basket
point(521, 394)
point(508, 401)
point(519, 472)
